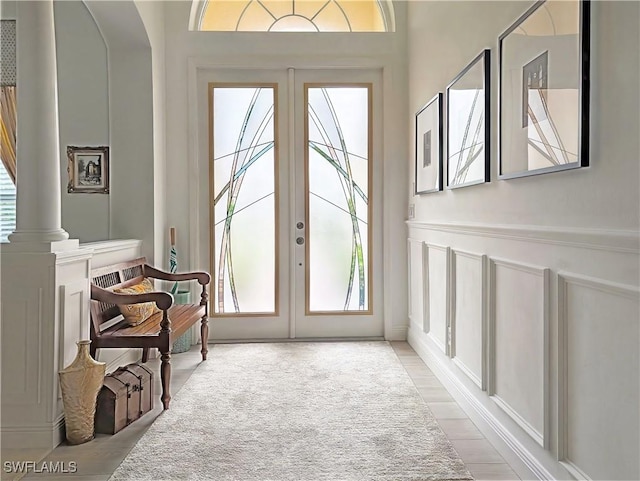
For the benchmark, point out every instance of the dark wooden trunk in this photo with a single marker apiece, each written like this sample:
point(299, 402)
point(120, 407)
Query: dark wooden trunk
point(126, 394)
point(144, 387)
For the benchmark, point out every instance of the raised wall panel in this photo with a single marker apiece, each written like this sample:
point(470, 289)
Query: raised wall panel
point(21, 348)
point(437, 309)
point(588, 401)
point(468, 313)
point(74, 318)
point(416, 285)
point(599, 368)
point(519, 344)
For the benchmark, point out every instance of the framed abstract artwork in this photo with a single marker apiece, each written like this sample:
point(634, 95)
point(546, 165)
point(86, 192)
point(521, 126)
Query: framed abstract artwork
point(88, 169)
point(544, 90)
point(468, 128)
point(429, 139)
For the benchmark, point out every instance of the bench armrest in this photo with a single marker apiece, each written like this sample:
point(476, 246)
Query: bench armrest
point(203, 277)
point(163, 300)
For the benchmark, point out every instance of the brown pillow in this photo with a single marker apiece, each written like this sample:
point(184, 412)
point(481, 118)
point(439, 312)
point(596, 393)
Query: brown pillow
point(135, 314)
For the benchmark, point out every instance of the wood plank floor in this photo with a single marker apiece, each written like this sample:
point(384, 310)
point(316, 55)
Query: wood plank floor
point(97, 459)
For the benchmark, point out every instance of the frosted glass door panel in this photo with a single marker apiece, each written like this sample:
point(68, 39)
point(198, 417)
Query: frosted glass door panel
point(338, 168)
point(244, 199)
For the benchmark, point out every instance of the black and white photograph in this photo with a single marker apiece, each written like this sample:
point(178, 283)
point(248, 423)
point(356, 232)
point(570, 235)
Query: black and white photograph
point(534, 84)
point(429, 143)
point(426, 161)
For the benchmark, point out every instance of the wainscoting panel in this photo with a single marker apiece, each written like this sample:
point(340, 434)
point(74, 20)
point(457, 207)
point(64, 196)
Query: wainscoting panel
point(416, 285)
point(519, 344)
point(74, 319)
point(468, 304)
point(438, 289)
point(562, 331)
point(599, 329)
point(22, 388)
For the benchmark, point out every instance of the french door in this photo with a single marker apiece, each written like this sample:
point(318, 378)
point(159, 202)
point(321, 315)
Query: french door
point(294, 203)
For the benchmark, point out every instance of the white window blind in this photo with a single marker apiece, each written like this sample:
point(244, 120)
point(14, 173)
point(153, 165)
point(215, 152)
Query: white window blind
point(7, 205)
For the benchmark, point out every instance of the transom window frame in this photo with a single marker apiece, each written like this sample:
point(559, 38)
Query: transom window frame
point(199, 7)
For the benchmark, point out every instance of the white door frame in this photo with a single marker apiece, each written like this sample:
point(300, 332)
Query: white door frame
point(196, 65)
point(351, 323)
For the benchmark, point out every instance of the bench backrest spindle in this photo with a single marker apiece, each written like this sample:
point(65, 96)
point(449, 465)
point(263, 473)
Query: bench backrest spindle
point(117, 275)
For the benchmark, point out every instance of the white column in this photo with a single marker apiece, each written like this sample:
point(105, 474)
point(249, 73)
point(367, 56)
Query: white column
point(38, 216)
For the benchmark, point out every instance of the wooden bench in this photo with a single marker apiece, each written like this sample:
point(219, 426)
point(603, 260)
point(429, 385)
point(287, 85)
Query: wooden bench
point(160, 330)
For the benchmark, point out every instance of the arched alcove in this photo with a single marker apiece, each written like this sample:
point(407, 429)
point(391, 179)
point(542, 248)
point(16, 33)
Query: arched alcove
point(131, 122)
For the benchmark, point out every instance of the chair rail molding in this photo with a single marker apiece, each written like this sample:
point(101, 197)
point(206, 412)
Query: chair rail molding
point(624, 241)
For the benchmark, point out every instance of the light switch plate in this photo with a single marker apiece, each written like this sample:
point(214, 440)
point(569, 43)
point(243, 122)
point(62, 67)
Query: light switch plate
point(412, 211)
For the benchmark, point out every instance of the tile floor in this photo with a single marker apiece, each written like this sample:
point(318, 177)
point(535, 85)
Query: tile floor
point(97, 459)
point(481, 458)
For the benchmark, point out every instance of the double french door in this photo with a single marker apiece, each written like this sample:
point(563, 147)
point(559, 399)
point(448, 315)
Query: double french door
point(294, 203)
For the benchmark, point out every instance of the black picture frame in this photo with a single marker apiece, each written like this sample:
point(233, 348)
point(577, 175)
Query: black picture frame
point(469, 124)
point(429, 153)
point(547, 128)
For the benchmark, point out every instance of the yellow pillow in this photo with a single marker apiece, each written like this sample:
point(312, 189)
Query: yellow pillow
point(135, 314)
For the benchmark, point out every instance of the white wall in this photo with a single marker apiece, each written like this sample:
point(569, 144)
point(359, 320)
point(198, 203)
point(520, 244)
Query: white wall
point(605, 195)
point(541, 273)
point(131, 121)
point(249, 49)
point(111, 92)
point(83, 100)
point(8, 10)
point(152, 16)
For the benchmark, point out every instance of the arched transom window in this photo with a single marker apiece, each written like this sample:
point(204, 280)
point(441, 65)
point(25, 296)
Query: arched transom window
point(293, 15)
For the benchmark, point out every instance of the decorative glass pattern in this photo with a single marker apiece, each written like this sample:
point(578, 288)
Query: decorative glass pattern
point(338, 218)
point(243, 195)
point(295, 16)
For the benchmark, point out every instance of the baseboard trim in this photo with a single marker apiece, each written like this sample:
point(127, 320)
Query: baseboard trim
point(211, 342)
point(463, 396)
point(398, 333)
point(41, 437)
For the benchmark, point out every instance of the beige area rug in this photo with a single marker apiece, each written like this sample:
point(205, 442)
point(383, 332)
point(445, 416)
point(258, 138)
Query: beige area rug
point(296, 412)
